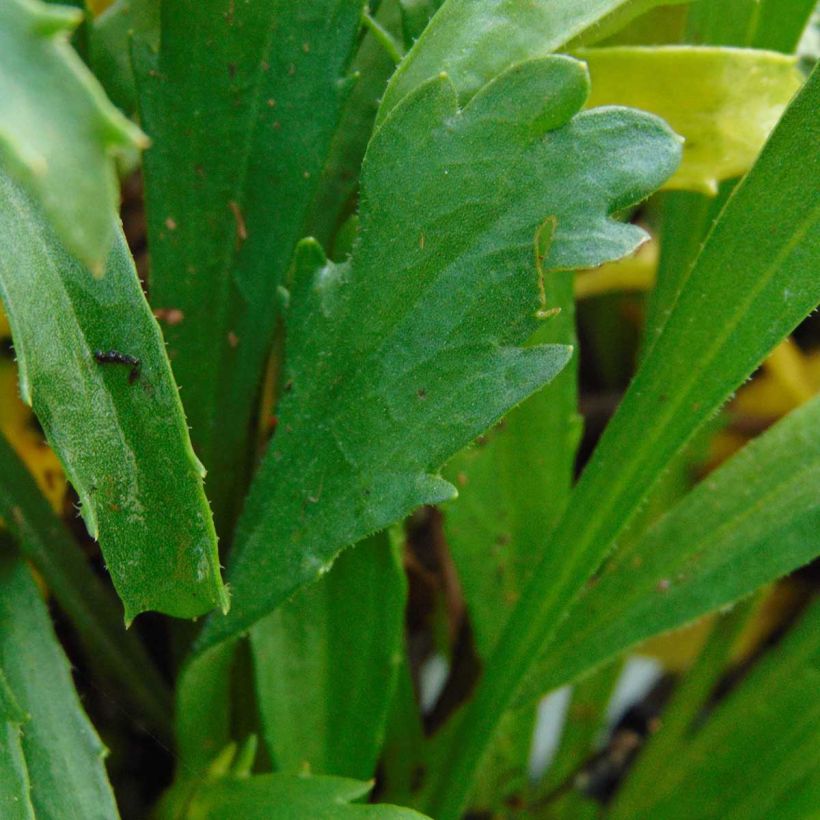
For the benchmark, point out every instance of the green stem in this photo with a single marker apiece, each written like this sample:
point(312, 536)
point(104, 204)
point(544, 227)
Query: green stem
point(387, 41)
point(91, 608)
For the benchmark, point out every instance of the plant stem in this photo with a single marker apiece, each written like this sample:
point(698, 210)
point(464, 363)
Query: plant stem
point(387, 41)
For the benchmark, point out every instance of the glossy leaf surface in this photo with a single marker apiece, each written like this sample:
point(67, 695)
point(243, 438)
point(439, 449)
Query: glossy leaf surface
point(118, 428)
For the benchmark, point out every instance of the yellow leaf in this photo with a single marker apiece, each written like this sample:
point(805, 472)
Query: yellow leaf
point(723, 101)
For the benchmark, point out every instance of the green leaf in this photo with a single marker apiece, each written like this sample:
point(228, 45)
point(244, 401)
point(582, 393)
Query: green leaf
point(15, 802)
point(682, 710)
point(415, 15)
point(474, 42)
point(62, 753)
point(93, 610)
point(759, 23)
point(376, 400)
point(242, 101)
point(326, 663)
point(513, 484)
point(758, 754)
point(118, 430)
point(335, 197)
point(58, 131)
point(748, 523)
point(740, 299)
point(109, 45)
point(723, 101)
point(14, 783)
point(10, 710)
point(289, 797)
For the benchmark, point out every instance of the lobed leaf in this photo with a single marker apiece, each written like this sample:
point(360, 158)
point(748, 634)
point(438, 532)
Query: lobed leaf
point(58, 751)
point(58, 131)
point(118, 429)
point(399, 357)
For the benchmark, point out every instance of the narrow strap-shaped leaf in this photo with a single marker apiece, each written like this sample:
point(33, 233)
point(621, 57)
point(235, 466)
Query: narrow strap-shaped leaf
point(93, 367)
point(659, 757)
point(376, 400)
point(753, 520)
point(758, 754)
point(63, 754)
point(759, 23)
point(474, 42)
point(57, 128)
point(738, 302)
point(513, 484)
point(92, 609)
point(242, 103)
point(325, 664)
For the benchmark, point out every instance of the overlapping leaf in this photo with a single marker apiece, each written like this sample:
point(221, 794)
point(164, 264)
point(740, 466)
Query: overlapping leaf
point(325, 664)
point(400, 356)
point(755, 519)
point(474, 42)
point(118, 429)
point(723, 101)
point(57, 129)
point(740, 299)
point(758, 754)
point(92, 608)
point(291, 797)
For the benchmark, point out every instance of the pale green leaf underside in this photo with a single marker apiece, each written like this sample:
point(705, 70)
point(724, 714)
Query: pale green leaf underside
point(60, 750)
point(120, 434)
point(753, 520)
point(399, 357)
point(57, 128)
point(289, 797)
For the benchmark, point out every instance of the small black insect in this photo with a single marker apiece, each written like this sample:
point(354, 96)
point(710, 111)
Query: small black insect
point(115, 357)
